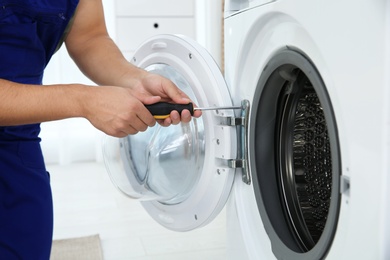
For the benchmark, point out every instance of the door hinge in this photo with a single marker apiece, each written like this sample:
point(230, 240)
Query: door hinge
point(242, 154)
point(232, 121)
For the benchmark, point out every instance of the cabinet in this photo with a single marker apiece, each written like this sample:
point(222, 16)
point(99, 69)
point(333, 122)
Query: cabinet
point(138, 20)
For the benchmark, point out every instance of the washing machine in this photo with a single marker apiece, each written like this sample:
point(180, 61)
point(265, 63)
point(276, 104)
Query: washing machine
point(317, 77)
point(302, 164)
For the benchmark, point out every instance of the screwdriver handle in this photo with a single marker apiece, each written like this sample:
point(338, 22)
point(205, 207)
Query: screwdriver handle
point(162, 110)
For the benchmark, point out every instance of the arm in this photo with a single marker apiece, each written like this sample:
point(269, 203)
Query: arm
point(114, 110)
point(27, 104)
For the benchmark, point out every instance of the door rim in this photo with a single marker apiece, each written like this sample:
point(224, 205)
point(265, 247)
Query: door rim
point(265, 173)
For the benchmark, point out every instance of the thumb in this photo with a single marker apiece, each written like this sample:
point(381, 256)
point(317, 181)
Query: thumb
point(150, 100)
point(174, 93)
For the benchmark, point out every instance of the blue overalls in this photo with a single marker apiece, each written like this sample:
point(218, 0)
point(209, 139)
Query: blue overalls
point(30, 31)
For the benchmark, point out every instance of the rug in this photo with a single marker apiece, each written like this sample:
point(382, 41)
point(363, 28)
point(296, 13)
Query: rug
point(81, 248)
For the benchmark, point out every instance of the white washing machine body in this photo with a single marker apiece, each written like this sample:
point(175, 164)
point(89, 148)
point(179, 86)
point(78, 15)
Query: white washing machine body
point(347, 45)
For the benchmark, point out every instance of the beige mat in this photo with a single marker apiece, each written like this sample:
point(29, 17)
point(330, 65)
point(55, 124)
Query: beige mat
point(82, 248)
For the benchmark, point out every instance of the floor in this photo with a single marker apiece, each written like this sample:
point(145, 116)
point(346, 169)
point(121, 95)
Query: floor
point(86, 203)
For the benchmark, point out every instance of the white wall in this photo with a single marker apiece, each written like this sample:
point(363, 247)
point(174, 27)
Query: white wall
point(73, 140)
point(209, 24)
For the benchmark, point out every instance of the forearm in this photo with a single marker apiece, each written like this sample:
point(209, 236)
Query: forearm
point(27, 104)
point(112, 110)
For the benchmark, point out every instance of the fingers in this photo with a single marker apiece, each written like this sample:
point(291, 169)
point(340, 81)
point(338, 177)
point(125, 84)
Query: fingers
point(177, 96)
point(197, 113)
point(175, 118)
point(185, 117)
point(151, 100)
point(125, 127)
point(174, 93)
point(154, 84)
point(140, 121)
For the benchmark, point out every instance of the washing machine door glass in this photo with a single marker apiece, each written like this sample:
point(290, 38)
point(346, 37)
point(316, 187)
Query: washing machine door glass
point(162, 163)
point(179, 172)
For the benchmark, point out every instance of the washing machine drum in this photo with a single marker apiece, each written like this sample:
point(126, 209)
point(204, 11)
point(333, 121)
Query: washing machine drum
point(295, 157)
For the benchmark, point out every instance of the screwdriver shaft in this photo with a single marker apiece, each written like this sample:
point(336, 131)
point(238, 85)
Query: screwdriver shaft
point(216, 108)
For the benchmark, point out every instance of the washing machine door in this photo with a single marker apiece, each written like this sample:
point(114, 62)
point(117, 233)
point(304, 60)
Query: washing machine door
point(180, 173)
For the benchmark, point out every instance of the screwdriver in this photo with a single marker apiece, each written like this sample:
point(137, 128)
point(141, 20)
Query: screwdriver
point(162, 110)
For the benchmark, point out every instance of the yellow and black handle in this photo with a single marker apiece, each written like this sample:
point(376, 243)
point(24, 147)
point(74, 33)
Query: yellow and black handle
point(162, 110)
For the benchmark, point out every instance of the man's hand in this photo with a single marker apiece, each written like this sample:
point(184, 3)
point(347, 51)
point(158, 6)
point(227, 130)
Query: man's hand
point(115, 111)
point(152, 88)
point(120, 111)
